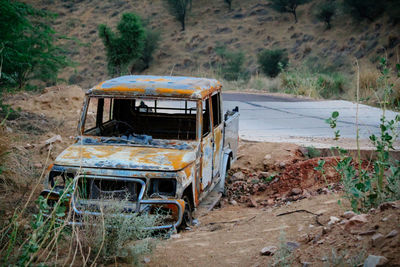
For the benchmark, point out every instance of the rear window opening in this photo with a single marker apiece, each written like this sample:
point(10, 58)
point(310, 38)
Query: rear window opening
point(128, 118)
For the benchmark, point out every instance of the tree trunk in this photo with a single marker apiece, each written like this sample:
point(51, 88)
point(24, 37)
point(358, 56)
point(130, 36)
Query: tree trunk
point(294, 15)
point(183, 23)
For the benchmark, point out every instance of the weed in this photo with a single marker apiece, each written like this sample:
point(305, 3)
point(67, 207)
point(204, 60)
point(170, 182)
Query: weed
point(283, 257)
point(366, 188)
point(312, 152)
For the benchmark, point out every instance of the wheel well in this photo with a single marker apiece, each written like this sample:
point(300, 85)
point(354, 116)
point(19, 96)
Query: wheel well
point(189, 193)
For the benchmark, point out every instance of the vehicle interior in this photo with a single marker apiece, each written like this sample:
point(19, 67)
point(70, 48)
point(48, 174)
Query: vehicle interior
point(160, 119)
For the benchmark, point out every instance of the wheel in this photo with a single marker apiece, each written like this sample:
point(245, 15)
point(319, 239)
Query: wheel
point(187, 218)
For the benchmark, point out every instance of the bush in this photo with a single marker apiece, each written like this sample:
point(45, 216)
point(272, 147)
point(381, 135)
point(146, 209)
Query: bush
point(288, 6)
point(325, 12)
point(307, 83)
point(232, 67)
point(124, 47)
point(272, 62)
point(364, 9)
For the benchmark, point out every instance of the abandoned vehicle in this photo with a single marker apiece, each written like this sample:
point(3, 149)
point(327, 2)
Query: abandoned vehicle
point(151, 140)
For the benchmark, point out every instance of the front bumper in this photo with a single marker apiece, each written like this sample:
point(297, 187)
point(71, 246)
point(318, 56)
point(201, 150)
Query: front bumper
point(141, 205)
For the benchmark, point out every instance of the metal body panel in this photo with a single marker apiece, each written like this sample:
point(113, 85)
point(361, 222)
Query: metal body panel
point(126, 157)
point(157, 86)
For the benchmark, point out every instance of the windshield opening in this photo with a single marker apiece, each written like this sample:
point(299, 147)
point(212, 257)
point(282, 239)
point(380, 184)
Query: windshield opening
point(132, 118)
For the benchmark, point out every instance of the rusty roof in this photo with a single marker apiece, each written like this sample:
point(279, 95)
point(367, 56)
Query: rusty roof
point(157, 86)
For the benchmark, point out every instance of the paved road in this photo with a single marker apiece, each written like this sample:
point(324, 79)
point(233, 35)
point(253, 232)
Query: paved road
point(272, 118)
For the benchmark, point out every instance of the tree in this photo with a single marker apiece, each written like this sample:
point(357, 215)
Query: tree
point(325, 12)
point(27, 45)
point(229, 2)
point(393, 10)
point(288, 6)
point(179, 9)
point(273, 61)
point(364, 9)
point(125, 46)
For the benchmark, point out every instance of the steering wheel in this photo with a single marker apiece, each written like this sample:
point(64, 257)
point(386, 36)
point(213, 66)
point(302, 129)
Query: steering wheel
point(125, 123)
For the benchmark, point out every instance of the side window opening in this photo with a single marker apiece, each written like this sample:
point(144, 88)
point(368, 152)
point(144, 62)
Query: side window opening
point(216, 108)
point(206, 117)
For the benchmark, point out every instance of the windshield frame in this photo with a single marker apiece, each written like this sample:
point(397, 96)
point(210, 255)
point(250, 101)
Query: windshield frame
point(83, 117)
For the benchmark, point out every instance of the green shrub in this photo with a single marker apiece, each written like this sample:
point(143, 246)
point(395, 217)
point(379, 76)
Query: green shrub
point(272, 62)
point(364, 9)
point(124, 47)
point(305, 82)
point(232, 66)
point(288, 6)
point(325, 12)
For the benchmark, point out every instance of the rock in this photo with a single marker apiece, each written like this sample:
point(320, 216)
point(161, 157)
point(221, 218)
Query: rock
point(377, 240)
point(56, 138)
point(233, 202)
point(28, 146)
point(282, 165)
point(349, 214)
point(270, 201)
point(393, 233)
point(264, 175)
point(292, 246)
point(237, 176)
point(326, 230)
point(387, 218)
point(373, 261)
point(356, 221)
point(38, 165)
point(333, 220)
point(175, 236)
point(306, 194)
point(268, 251)
point(252, 203)
point(296, 191)
point(146, 260)
point(389, 205)
point(306, 264)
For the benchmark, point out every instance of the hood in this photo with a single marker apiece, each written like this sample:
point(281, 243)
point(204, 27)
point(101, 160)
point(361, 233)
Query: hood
point(125, 157)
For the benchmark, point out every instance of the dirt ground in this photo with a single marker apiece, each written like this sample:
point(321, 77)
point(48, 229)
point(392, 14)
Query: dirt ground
point(268, 179)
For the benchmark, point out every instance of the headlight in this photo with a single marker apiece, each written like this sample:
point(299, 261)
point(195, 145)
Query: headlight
point(164, 187)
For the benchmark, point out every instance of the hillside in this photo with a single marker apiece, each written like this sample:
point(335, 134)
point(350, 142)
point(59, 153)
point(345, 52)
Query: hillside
point(250, 26)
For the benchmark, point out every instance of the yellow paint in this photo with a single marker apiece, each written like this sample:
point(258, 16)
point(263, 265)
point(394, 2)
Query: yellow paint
point(127, 155)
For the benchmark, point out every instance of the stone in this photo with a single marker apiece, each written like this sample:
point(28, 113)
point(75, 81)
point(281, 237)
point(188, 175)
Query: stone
point(146, 260)
point(306, 264)
point(333, 220)
point(389, 205)
point(38, 165)
point(393, 233)
point(377, 240)
point(56, 138)
point(349, 214)
point(238, 176)
point(252, 203)
point(356, 221)
point(233, 202)
point(296, 191)
point(372, 261)
point(268, 251)
point(387, 218)
point(292, 246)
point(175, 236)
point(270, 201)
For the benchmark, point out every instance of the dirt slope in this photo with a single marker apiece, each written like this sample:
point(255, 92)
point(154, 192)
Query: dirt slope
point(251, 26)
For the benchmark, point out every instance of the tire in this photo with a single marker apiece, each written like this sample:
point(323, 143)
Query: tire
point(187, 218)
